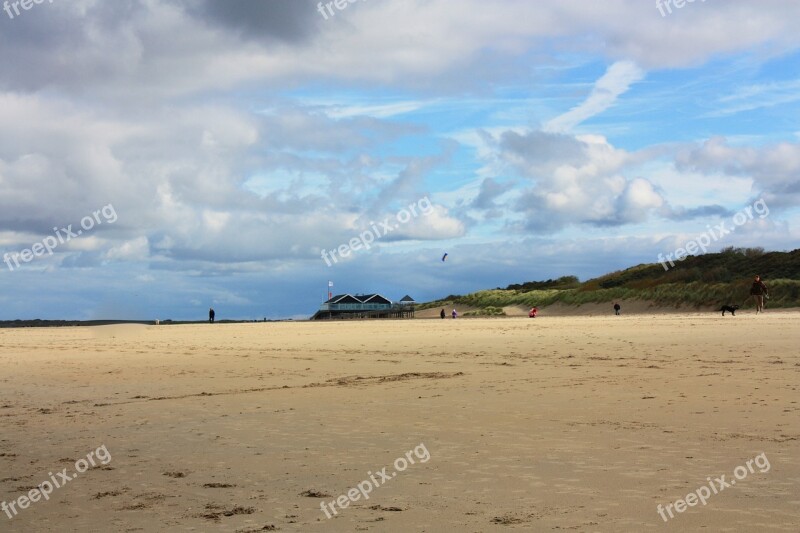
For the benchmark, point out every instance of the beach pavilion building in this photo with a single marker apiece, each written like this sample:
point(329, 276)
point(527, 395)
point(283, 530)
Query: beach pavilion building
point(343, 306)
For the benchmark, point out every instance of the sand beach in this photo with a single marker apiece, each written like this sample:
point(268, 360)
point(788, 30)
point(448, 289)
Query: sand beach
point(557, 423)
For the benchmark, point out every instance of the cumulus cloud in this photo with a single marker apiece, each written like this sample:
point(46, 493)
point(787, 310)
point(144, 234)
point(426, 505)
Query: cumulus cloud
point(773, 168)
point(139, 50)
point(540, 152)
point(584, 179)
point(436, 224)
point(577, 180)
point(487, 198)
point(637, 200)
point(137, 249)
point(201, 122)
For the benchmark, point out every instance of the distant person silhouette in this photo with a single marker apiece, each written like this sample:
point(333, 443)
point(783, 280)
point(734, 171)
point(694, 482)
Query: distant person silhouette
point(211, 314)
point(617, 307)
point(454, 313)
point(758, 291)
point(442, 314)
point(533, 312)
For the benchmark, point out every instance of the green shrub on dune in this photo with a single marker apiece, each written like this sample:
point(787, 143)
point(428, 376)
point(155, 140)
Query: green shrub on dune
point(487, 311)
point(708, 280)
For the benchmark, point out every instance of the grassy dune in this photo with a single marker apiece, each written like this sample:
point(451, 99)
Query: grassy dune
point(697, 282)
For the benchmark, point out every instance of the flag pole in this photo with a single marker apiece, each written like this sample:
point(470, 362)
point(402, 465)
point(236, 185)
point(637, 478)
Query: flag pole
point(330, 296)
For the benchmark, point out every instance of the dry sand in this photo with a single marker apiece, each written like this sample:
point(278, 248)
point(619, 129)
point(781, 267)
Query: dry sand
point(556, 423)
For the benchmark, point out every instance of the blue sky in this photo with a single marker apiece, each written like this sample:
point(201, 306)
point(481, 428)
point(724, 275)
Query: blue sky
point(237, 142)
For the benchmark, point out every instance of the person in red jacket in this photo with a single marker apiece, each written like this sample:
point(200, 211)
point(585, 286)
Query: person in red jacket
point(533, 312)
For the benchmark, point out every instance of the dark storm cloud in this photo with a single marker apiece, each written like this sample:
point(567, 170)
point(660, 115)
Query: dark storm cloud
point(285, 20)
point(50, 44)
point(108, 47)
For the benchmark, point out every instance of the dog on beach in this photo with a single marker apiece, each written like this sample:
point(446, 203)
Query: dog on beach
point(730, 308)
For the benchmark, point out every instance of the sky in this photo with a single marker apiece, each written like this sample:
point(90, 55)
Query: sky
point(160, 157)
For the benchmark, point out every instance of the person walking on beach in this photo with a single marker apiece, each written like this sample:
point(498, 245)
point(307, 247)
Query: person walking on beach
point(442, 314)
point(758, 291)
point(211, 315)
point(617, 307)
point(454, 313)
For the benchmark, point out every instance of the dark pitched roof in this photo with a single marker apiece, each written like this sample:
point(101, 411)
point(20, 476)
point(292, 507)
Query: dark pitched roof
point(373, 298)
point(407, 298)
point(343, 299)
point(359, 299)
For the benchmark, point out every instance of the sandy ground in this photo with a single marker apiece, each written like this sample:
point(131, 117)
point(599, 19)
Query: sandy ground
point(554, 423)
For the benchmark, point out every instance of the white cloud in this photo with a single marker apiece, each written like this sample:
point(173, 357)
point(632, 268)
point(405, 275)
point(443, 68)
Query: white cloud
point(156, 109)
point(436, 225)
point(386, 110)
point(137, 249)
point(615, 82)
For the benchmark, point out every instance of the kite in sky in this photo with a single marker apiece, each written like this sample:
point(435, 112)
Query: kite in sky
point(444, 257)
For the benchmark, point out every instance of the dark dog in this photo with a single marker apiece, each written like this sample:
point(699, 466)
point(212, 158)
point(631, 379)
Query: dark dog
point(730, 308)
